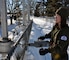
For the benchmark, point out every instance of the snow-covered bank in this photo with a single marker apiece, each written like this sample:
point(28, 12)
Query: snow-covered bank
point(40, 27)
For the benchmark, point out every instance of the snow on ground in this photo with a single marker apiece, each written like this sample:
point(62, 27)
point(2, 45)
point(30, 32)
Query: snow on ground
point(40, 27)
point(10, 26)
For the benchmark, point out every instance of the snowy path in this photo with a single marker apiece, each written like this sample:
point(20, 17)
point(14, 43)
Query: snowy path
point(40, 27)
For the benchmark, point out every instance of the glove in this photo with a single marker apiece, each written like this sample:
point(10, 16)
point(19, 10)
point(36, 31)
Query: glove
point(43, 51)
point(41, 37)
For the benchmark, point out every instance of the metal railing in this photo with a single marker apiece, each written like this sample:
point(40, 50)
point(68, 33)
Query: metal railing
point(23, 38)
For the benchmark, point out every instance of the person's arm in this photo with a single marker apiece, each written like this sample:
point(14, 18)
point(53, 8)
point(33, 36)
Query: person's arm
point(48, 35)
point(45, 36)
point(61, 46)
point(63, 39)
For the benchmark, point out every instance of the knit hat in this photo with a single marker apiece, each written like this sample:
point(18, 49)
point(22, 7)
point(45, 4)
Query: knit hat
point(63, 12)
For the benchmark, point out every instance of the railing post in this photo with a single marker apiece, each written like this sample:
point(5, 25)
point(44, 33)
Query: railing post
point(23, 3)
point(5, 44)
point(28, 10)
point(3, 18)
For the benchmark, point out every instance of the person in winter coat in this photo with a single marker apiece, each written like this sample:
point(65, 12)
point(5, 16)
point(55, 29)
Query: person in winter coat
point(59, 37)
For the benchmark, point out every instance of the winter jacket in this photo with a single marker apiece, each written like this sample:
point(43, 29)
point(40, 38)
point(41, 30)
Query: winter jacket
point(59, 43)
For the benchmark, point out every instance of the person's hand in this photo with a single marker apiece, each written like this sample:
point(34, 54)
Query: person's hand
point(43, 51)
point(41, 38)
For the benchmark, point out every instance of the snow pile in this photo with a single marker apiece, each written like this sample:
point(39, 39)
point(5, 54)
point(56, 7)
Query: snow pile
point(40, 27)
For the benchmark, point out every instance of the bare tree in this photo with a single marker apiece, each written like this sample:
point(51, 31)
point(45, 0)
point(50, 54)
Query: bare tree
point(13, 8)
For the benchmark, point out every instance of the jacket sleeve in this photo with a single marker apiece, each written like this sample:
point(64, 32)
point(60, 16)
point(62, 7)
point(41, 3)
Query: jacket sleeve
point(48, 35)
point(63, 39)
point(63, 45)
point(60, 47)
